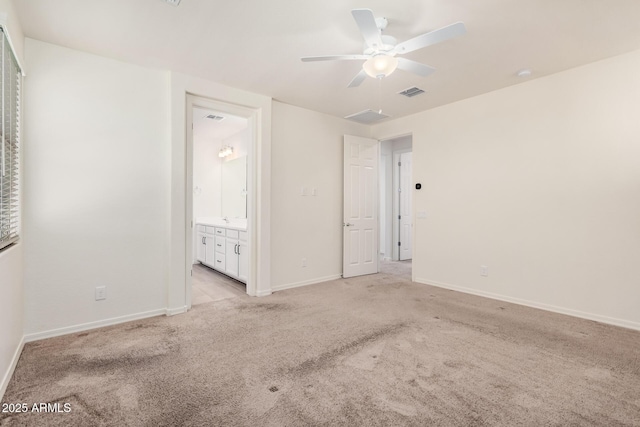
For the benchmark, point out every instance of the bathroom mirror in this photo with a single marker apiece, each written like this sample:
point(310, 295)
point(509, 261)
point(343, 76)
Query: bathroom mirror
point(234, 188)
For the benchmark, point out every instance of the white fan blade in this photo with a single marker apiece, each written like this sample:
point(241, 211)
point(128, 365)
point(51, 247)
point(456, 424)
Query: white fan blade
point(334, 58)
point(415, 67)
point(359, 78)
point(367, 24)
point(433, 37)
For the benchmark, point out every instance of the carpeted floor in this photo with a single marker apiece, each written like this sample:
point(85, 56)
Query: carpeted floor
point(374, 350)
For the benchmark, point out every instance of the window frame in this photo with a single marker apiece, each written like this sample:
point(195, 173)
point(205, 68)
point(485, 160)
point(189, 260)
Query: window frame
point(10, 173)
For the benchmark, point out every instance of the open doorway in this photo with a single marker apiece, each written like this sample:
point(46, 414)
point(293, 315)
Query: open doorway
point(396, 214)
point(220, 260)
point(220, 207)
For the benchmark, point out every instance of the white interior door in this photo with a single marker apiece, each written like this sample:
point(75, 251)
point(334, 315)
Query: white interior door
point(360, 227)
point(406, 220)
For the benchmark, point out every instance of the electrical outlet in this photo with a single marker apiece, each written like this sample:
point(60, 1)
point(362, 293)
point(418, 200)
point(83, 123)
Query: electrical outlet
point(314, 191)
point(303, 191)
point(304, 262)
point(101, 293)
point(484, 271)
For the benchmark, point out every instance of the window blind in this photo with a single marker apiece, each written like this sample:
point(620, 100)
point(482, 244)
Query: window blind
point(10, 134)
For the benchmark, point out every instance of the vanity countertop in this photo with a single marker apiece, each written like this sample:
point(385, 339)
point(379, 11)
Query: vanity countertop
point(233, 224)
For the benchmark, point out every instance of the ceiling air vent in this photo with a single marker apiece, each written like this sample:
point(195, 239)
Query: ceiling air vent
point(173, 2)
point(411, 92)
point(215, 117)
point(367, 116)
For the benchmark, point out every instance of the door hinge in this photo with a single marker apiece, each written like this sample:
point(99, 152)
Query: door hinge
point(399, 163)
point(192, 272)
point(399, 244)
point(399, 216)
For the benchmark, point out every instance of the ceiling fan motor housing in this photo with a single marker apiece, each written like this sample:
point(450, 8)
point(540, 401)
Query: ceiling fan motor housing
point(388, 43)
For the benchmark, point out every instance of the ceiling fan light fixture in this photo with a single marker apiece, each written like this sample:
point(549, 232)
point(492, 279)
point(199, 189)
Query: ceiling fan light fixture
point(380, 66)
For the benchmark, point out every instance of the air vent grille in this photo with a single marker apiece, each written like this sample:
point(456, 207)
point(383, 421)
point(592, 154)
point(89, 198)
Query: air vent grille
point(215, 117)
point(411, 92)
point(173, 2)
point(367, 116)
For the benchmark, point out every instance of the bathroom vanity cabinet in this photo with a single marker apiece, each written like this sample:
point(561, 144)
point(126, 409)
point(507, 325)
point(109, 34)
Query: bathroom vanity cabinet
point(224, 249)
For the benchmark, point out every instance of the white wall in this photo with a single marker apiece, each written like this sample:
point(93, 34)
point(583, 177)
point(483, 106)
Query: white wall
point(11, 312)
point(307, 152)
point(540, 183)
point(11, 259)
point(9, 19)
point(97, 165)
point(207, 177)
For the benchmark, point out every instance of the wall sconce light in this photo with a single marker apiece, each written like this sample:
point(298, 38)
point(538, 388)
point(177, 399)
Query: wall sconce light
point(225, 151)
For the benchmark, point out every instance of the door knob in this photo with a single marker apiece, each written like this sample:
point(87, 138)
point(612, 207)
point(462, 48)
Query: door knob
point(347, 224)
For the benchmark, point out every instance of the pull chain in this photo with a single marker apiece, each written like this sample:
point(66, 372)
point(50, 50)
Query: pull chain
point(379, 95)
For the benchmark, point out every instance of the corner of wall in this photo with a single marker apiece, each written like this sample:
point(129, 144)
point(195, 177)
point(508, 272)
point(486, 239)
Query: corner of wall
point(10, 21)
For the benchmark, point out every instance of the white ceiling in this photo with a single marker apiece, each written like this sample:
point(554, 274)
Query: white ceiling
point(211, 129)
point(256, 45)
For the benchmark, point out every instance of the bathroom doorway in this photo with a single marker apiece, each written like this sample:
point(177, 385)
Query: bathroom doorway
point(220, 149)
point(221, 140)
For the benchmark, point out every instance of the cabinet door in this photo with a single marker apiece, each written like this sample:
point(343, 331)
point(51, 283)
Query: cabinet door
point(231, 255)
point(243, 261)
point(201, 253)
point(209, 250)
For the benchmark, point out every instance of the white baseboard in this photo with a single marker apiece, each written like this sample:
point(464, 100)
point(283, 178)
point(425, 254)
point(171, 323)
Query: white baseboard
point(305, 283)
point(547, 307)
point(174, 311)
point(93, 325)
point(12, 367)
point(264, 293)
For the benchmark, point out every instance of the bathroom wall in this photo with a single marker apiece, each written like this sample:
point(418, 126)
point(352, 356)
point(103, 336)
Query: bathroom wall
point(207, 177)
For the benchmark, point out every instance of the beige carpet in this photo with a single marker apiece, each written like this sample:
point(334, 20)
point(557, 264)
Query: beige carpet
point(375, 350)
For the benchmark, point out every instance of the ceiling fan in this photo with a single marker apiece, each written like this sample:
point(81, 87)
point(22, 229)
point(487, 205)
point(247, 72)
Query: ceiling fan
point(380, 50)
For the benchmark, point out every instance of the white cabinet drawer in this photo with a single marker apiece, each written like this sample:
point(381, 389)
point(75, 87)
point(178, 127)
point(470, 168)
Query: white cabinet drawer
point(220, 231)
point(220, 244)
point(219, 262)
point(209, 229)
point(233, 234)
point(201, 228)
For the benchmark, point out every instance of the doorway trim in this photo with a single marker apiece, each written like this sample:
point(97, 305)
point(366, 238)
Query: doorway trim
point(395, 203)
point(176, 268)
point(251, 114)
point(394, 196)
